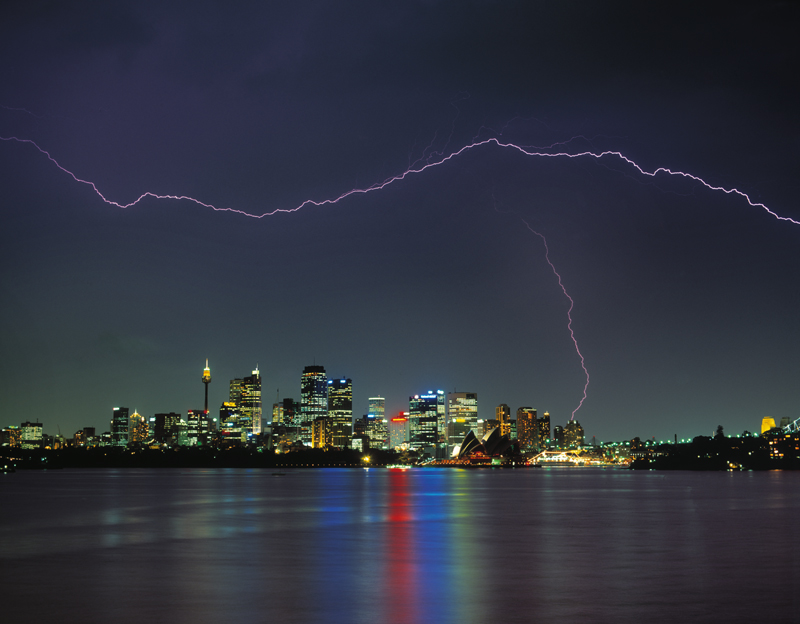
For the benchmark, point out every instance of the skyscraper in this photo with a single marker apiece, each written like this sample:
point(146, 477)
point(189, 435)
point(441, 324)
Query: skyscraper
point(340, 411)
point(137, 428)
point(377, 428)
point(527, 429)
point(503, 416)
point(424, 412)
point(544, 430)
point(573, 434)
point(313, 399)
point(462, 416)
point(119, 426)
point(250, 403)
point(398, 430)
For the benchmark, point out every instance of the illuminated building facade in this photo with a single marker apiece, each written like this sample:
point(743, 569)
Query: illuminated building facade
point(573, 434)
point(199, 428)
point(398, 430)
point(424, 412)
point(11, 436)
point(462, 417)
point(544, 430)
point(340, 411)
point(502, 414)
point(488, 425)
point(377, 429)
point(119, 426)
point(527, 429)
point(313, 399)
point(767, 423)
point(30, 435)
point(287, 413)
point(137, 428)
point(250, 403)
point(558, 436)
point(164, 427)
point(322, 432)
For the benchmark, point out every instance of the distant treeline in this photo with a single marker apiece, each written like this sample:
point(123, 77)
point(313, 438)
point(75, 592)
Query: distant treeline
point(190, 457)
point(777, 451)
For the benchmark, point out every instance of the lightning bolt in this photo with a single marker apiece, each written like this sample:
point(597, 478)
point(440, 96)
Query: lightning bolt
point(435, 159)
point(569, 315)
point(416, 169)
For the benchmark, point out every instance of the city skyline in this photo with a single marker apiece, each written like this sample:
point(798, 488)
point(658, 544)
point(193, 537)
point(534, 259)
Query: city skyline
point(685, 298)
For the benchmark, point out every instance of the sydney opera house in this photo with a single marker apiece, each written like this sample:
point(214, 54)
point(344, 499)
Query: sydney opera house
point(492, 450)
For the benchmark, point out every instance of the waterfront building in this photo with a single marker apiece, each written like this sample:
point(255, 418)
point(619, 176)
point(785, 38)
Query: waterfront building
point(503, 416)
point(340, 411)
point(322, 432)
point(544, 430)
point(558, 436)
point(488, 425)
point(137, 427)
point(527, 429)
point(377, 429)
point(313, 399)
point(11, 436)
point(119, 426)
point(31, 435)
point(250, 403)
point(398, 430)
point(164, 428)
point(573, 434)
point(424, 412)
point(199, 428)
point(462, 417)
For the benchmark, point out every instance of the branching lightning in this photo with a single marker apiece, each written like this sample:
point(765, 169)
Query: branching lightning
point(428, 160)
point(569, 315)
point(433, 160)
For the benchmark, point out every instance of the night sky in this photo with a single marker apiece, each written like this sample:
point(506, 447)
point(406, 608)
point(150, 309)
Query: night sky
point(686, 300)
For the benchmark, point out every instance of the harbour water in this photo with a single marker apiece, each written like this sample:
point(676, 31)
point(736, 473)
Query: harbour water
point(378, 545)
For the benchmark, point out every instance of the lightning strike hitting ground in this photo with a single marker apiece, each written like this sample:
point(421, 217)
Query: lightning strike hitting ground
point(434, 159)
point(569, 315)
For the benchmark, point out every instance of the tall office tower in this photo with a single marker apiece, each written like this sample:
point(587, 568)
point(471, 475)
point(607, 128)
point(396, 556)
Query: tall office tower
point(340, 410)
point(462, 416)
point(424, 411)
point(503, 416)
point(30, 435)
point(138, 429)
point(313, 399)
point(165, 427)
point(527, 429)
point(198, 428)
point(558, 436)
point(277, 413)
point(398, 430)
point(291, 413)
point(235, 391)
point(544, 430)
point(119, 426)
point(377, 429)
point(11, 436)
point(322, 432)
point(206, 381)
point(250, 403)
point(573, 434)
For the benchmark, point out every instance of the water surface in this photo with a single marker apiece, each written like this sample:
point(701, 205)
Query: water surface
point(424, 545)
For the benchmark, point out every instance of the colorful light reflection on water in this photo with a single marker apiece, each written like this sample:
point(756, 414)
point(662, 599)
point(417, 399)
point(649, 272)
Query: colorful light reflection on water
point(377, 545)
